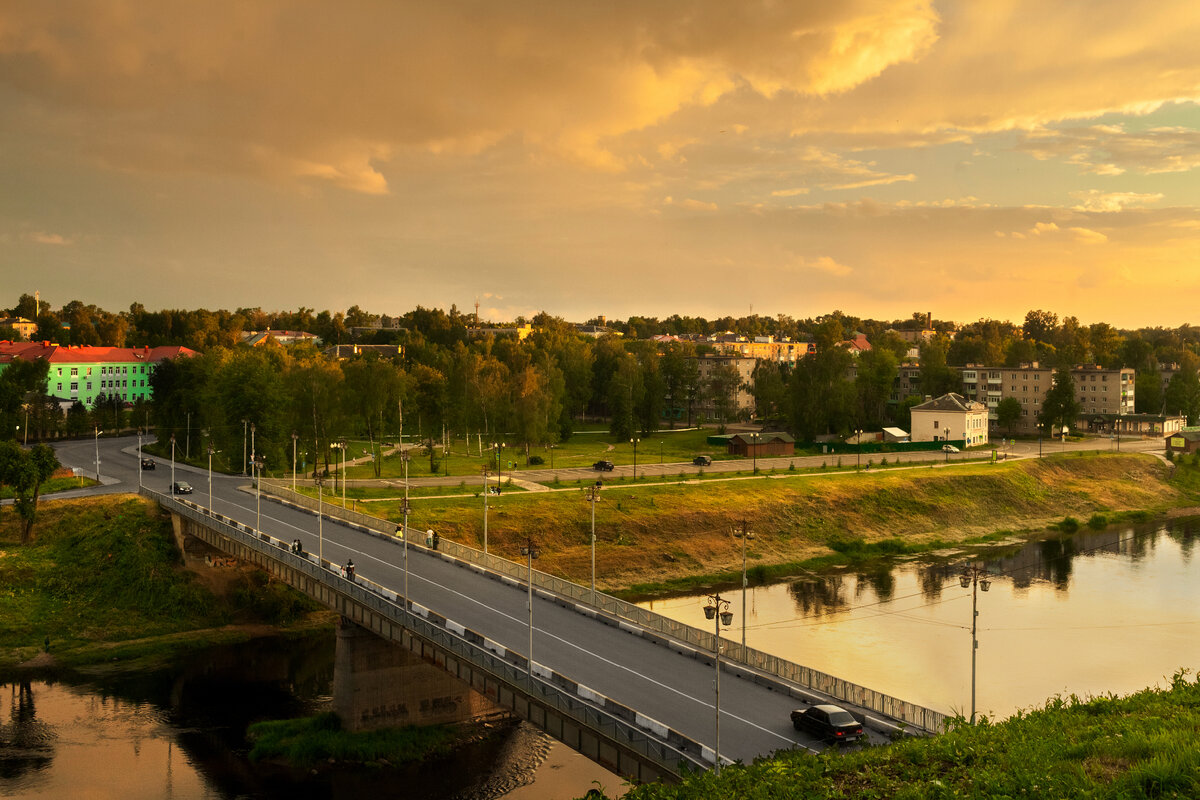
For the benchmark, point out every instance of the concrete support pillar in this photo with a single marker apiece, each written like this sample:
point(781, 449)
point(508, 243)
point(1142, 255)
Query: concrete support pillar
point(379, 684)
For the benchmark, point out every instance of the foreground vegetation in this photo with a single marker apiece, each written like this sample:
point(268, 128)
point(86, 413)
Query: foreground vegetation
point(1145, 745)
point(309, 740)
point(103, 580)
point(652, 538)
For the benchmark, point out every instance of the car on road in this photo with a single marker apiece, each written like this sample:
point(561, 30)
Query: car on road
point(603, 466)
point(702, 461)
point(829, 722)
point(148, 463)
point(949, 448)
point(181, 487)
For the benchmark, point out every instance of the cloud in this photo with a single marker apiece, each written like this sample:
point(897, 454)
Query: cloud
point(1095, 200)
point(1087, 236)
point(825, 264)
point(690, 204)
point(1111, 150)
point(1040, 228)
point(49, 238)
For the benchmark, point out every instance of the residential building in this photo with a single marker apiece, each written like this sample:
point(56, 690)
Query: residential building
point(765, 348)
point(342, 352)
point(81, 373)
point(858, 344)
point(21, 325)
point(758, 445)
point(950, 417)
point(258, 338)
point(743, 403)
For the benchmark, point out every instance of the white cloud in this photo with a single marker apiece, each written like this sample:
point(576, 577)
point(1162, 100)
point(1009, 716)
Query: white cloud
point(1088, 236)
point(1095, 200)
point(42, 237)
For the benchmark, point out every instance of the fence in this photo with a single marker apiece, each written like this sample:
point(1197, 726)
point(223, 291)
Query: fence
point(911, 714)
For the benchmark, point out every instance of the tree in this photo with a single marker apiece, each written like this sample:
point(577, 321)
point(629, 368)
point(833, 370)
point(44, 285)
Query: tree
point(1182, 395)
point(1148, 393)
point(877, 370)
point(769, 386)
point(723, 386)
point(26, 471)
point(1008, 411)
point(822, 399)
point(937, 378)
point(1040, 326)
point(1060, 409)
point(374, 389)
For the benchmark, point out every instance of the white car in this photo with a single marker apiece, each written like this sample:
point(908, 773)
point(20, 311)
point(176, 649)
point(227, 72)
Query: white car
point(949, 448)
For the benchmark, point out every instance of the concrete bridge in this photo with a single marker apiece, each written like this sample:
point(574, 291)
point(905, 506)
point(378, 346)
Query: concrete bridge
point(630, 689)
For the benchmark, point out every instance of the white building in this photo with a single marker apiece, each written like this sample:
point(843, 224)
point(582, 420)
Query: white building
point(950, 417)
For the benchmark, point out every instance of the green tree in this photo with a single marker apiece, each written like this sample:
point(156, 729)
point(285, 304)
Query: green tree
point(26, 471)
point(877, 371)
point(769, 386)
point(534, 409)
point(724, 382)
point(1148, 392)
point(374, 390)
point(1182, 395)
point(822, 399)
point(1008, 412)
point(1040, 326)
point(1060, 409)
point(937, 378)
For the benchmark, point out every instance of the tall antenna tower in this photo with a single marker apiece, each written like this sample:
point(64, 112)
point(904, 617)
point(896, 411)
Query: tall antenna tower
point(477, 313)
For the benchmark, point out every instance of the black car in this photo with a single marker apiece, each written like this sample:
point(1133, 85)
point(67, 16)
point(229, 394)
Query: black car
point(603, 466)
point(831, 723)
point(181, 487)
point(702, 461)
point(148, 463)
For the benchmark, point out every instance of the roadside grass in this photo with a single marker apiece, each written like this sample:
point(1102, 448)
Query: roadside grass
point(310, 740)
point(1144, 745)
point(658, 535)
point(53, 485)
point(106, 570)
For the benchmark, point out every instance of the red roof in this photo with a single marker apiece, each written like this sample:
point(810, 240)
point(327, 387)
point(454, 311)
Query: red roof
point(71, 354)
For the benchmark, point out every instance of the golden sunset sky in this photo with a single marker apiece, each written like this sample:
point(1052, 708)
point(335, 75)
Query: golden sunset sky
point(974, 159)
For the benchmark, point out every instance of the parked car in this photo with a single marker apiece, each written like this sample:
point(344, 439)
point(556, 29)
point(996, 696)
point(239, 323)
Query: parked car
point(702, 461)
point(949, 448)
point(831, 723)
point(181, 487)
point(148, 463)
point(605, 466)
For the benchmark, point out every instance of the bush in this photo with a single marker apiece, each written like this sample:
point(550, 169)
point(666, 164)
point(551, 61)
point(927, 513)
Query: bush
point(536, 461)
point(792, 467)
point(1068, 525)
point(1098, 522)
point(883, 461)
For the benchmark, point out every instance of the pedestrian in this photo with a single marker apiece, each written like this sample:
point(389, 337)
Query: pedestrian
point(350, 569)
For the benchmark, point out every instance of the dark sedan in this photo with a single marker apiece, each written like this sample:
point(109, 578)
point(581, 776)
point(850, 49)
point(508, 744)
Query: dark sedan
point(831, 723)
point(181, 487)
point(604, 466)
point(148, 463)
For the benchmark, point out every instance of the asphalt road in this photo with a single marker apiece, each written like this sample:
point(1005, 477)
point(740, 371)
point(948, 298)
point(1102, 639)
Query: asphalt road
point(664, 685)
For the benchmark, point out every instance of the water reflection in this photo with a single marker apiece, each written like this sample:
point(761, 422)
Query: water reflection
point(26, 743)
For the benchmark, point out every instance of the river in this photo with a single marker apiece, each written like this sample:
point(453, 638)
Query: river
point(1091, 613)
point(179, 733)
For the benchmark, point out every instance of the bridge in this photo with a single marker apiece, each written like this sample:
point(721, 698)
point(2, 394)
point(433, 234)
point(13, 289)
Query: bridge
point(588, 650)
point(628, 688)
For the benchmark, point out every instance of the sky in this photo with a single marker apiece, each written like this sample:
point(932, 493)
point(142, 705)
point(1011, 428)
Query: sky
point(973, 159)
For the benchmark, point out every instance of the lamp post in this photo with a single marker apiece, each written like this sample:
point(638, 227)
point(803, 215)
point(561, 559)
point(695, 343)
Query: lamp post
point(858, 438)
point(252, 449)
point(947, 447)
point(718, 611)
point(530, 552)
point(343, 443)
point(593, 494)
point(172, 464)
point(486, 473)
point(405, 457)
point(1119, 410)
point(499, 469)
point(745, 534)
point(973, 577)
point(754, 444)
point(405, 508)
point(25, 442)
point(210, 455)
point(98, 432)
point(258, 465)
point(294, 438)
point(320, 482)
point(187, 441)
point(635, 444)
point(139, 458)
point(245, 422)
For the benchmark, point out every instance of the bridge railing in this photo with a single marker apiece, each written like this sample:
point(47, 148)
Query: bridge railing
point(911, 714)
point(650, 739)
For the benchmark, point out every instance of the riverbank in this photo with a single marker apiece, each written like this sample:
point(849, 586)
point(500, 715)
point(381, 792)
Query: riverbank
point(666, 538)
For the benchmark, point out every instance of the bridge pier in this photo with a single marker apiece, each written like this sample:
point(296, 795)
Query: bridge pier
point(380, 684)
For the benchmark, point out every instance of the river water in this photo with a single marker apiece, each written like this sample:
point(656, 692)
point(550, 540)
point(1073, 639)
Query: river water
point(1110, 611)
point(179, 734)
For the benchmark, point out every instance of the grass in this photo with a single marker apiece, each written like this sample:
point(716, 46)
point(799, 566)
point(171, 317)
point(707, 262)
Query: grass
point(659, 535)
point(53, 485)
point(309, 740)
point(105, 571)
point(1145, 745)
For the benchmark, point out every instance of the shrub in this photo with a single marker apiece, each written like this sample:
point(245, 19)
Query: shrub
point(536, 460)
point(1068, 525)
point(1098, 522)
point(792, 467)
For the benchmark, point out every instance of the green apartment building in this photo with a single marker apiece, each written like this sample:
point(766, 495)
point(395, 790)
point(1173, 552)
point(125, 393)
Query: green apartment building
point(82, 373)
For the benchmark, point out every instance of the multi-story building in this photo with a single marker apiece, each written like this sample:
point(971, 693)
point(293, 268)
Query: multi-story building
point(763, 348)
point(1105, 396)
point(950, 417)
point(27, 328)
point(80, 373)
point(742, 396)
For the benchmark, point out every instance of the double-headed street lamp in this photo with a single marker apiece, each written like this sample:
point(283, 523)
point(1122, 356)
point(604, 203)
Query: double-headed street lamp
point(404, 533)
point(718, 611)
point(754, 437)
point(245, 422)
point(973, 577)
point(948, 446)
point(486, 474)
point(858, 438)
point(530, 552)
point(139, 458)
point(210, 455)
point(258, 465)
point(634, 442)
point(499, 469)
point(745, 534)
point(98, 432)
point(320, 482)
point(294, 438)
point(172, 464)
point(593, 494)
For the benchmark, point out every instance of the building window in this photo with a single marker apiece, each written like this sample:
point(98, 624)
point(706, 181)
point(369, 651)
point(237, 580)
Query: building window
point(74, 386)
point(74, 371)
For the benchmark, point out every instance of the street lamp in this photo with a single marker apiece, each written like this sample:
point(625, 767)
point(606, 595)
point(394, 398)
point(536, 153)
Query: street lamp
point(593, 494)
point(405, 508)
point(405, 457)
point(530, 552)
point(635, 444)
point(320, 482)
point(172, 463)
point(343, 444)
point(754, 444)
point(187, 448)
point(486, 489)
point(210, 455)
point(294, 438)
point(858, 438)
point(98, 432)
point(973, 577)
point(245, 422)
point(745, 534)
point(139, 458)
point(258, 465)
point(499, 470)
point(947, 447)
point(718, 611)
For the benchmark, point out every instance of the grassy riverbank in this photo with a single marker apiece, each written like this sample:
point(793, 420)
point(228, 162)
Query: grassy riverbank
point(309, 740)
point(103, 582)
point(1146, 745)
point(651, 537)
